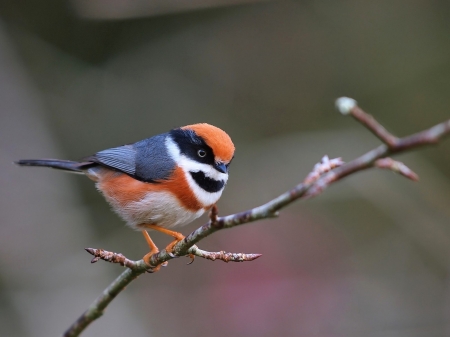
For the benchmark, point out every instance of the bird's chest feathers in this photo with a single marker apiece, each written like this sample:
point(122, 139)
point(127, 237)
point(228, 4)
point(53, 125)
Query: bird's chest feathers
point(169, 203)
point(160, 208)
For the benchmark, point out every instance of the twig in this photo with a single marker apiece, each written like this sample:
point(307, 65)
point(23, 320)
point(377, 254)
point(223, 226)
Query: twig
point(325, 165)
point(100, 254)
point(347, 106)
point(223, 256)
point(323, 175)
point(398, 167)
point(137, 266)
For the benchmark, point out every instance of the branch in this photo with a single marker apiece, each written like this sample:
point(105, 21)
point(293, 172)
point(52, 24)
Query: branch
point(323, 175)
point(396, 166)
point(101, 254)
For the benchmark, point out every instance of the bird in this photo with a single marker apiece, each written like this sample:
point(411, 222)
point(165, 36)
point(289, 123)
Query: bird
point(161, 182)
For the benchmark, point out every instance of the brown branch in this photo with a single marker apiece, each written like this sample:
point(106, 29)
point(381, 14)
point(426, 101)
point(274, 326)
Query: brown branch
point(430, 136)
point(100, 254)
point(137, 266)
point(396, 166)
point(324, 166)
point(348, 106)
point(224, 256)
point(323, 175)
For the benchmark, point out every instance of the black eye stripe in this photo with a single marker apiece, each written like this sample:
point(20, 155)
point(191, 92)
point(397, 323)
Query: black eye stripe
point(190, 145)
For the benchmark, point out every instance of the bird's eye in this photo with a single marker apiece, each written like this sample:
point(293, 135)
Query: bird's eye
point(201, 153)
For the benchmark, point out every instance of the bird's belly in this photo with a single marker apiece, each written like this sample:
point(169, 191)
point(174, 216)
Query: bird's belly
point(158, 208)
point(141, 203)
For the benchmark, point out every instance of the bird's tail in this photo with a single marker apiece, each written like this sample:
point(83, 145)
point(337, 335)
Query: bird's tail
point(66, 165)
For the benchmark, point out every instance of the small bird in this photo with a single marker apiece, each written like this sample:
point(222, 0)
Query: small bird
point(161, 182)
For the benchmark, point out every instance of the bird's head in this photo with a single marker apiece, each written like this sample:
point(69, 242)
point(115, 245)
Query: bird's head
point(204, 152)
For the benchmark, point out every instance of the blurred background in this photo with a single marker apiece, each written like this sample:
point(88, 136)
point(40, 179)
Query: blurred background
point(369, 257)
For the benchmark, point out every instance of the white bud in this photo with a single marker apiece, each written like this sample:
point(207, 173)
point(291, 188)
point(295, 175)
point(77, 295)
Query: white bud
point(345, 105)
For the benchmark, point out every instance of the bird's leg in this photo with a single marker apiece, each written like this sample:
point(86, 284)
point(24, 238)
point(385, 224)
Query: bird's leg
point(153, 250)
point(178, 237)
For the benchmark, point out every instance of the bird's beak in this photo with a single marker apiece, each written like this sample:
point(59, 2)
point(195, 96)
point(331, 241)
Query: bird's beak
point(221, 167)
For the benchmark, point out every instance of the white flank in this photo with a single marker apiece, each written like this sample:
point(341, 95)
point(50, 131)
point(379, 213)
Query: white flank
point(158, 208)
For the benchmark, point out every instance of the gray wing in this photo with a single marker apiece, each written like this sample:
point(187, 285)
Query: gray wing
point(153, 162)
point(122, 158)
point(146, 160)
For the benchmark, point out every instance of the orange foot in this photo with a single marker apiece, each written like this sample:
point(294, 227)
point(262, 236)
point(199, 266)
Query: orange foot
point(153, 250)
point(176, 235)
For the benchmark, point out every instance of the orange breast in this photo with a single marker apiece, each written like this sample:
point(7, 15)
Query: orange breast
point(125, 189)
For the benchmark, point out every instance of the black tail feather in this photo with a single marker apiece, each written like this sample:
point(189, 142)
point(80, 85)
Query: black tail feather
point(66, 165)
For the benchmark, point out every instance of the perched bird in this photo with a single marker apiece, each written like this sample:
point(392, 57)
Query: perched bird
point(160, 182)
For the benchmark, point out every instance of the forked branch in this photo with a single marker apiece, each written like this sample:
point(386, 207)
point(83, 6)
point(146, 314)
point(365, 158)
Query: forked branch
point(323, 175)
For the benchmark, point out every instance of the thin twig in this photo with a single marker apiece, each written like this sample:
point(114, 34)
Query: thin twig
point(101, 254)
point(348, 106)
point(224, 256)
point(324, 166)
point(316, 182)
point(396, 166)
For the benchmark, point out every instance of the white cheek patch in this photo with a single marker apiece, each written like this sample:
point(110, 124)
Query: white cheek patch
point(173, 149)
point(189, 165)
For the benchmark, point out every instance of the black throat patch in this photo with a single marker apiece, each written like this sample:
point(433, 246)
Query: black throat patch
point(208, 184)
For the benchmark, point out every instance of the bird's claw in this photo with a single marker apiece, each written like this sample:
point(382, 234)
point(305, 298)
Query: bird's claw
point(192, 256)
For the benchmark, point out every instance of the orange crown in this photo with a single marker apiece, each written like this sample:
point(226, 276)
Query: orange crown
point(217, 139)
